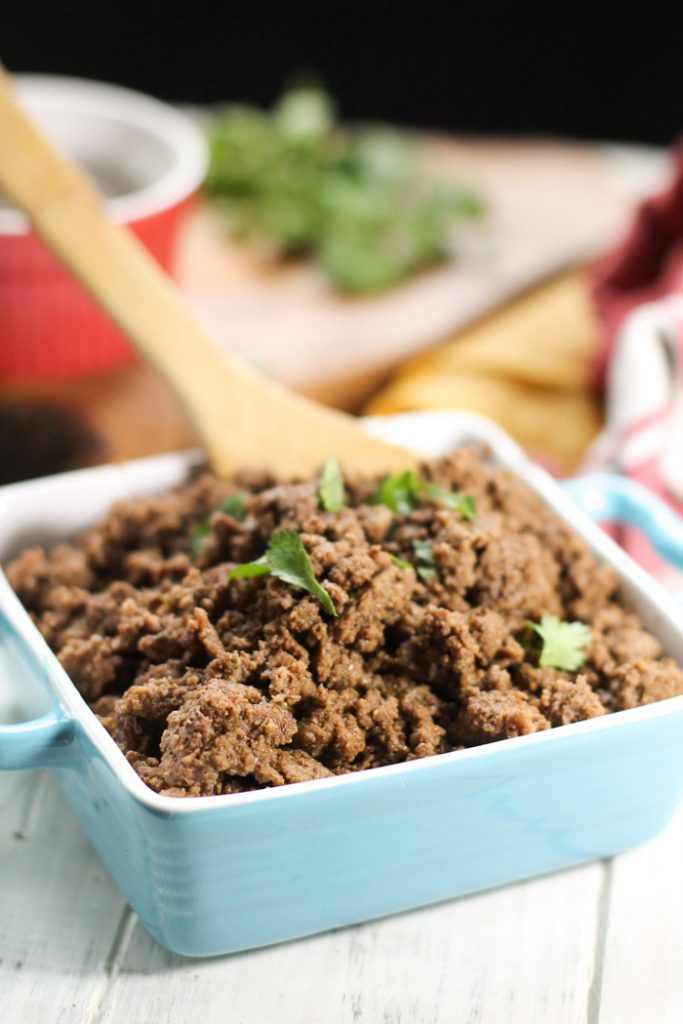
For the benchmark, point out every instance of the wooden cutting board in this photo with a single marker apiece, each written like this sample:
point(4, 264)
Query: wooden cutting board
point(552, 204)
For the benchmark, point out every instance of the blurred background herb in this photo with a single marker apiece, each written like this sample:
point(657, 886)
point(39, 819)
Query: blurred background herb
point(361, 202)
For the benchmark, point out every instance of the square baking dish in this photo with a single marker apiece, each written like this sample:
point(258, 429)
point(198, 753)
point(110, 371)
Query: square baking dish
point(210, 875)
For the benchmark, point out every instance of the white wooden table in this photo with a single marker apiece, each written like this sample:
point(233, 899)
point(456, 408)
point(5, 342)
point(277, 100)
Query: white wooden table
point(601, 943)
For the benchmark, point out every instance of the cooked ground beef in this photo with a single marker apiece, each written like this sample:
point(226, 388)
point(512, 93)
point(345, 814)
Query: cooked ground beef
point(211, 685)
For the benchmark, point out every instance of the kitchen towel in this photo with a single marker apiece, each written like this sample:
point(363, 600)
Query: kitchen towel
point(638, 293)
point(643, 434)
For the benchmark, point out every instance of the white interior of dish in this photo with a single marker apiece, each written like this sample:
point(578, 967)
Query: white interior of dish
point(53, 508)
point(143, 155)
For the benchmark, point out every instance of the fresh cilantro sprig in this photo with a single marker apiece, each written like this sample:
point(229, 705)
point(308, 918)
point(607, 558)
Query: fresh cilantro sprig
point(200, 531)
point(425, 568)
point(232, 506)
point(402, 494)
point(400, 563)
point(361, 202)
point(563, 643)
point(259, 567)
point(424, 551)
point(399, 493)
point(287, 559)
point(332, 491)
point(464, 504)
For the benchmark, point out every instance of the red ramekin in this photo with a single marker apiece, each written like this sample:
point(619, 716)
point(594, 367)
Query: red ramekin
point(154, 160)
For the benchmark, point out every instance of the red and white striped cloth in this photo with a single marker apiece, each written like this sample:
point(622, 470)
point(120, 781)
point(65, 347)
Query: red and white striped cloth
point(643, 435)
point(638, 294)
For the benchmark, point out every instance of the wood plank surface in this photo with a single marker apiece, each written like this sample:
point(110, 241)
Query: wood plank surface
point(522, 954)
point(642, 979)
point(60, 914)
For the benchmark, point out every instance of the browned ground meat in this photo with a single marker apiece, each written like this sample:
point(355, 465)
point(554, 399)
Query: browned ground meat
point(211, 685)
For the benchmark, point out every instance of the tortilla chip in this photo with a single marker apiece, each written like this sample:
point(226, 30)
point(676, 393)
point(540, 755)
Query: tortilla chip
point(547, 337)
point(527, 367)
point(555, 425)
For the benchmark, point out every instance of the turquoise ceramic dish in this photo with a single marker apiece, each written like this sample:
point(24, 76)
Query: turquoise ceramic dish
point(214, 875)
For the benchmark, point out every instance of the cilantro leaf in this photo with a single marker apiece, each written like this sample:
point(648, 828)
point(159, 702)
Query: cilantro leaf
point(332, 492)
point(400, 563)
point(287, 559)
point(564, 643)
point(233, 506)
point(424, 551)
point(258, 568)
point(402, 493)
point(426, 569)
point(200, 532)
point(362, 203)
point(304, 113)
point(462, 503)
point(399, 493)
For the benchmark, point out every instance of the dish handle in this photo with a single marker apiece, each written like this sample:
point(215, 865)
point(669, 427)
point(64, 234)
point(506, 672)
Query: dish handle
point(39, 743)
point(609, 497)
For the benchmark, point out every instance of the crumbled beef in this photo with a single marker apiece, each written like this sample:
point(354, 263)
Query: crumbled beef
point(215, 686)
point(487, 715)
point(564, 701)
point(643, 681)
point(222, 728)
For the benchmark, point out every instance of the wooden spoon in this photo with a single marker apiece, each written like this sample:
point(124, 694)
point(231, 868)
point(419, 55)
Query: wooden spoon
point(242, 418)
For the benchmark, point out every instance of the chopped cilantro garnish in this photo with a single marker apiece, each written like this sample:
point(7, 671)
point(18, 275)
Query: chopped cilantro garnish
point(287, 559)
point(399, 493)
point(331, 491)
point(424, 551)
point(400, 563)
point(426, 569)
point(402, 493)
point(564, 643)
point(462, 503)
point(232, 506)
point(200, 531)
point(258, 568)
point(363, 203)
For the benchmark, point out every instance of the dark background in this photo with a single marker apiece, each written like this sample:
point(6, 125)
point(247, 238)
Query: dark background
point(583, 69)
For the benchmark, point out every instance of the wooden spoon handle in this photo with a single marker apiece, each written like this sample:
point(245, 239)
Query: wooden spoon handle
point(241, 417)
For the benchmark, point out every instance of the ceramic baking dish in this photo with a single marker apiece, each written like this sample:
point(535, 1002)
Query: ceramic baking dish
point(218, 874)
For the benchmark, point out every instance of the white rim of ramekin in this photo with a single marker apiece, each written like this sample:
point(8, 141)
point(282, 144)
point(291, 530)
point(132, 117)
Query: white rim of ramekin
point(177, 130)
